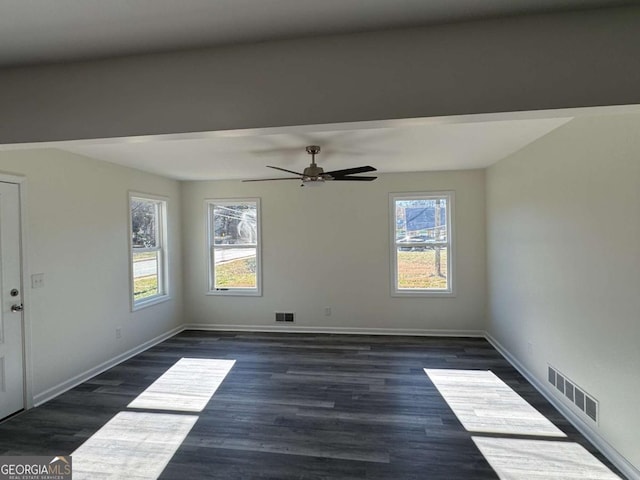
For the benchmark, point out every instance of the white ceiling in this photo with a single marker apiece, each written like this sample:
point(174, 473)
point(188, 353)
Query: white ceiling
point(36, 31)
point(396, 147)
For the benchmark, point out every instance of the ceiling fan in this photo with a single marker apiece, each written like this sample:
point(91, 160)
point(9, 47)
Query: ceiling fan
point(315, 175)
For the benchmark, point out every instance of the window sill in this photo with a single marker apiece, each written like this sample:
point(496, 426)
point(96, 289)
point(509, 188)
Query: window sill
point(232, 292)
point(149, 303)
point(423, 293)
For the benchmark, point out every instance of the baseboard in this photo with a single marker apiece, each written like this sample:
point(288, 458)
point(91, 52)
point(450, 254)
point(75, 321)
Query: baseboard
point(335, 330)
point(56, 390)
point(585, 429)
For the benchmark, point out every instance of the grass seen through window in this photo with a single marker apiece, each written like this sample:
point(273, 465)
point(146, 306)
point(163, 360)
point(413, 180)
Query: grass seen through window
point(417, 269)
point(144, 287)
point(236, 273)
point(145, 281)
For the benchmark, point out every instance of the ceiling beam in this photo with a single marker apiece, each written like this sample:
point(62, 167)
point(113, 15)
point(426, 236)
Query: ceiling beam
point(576, 59)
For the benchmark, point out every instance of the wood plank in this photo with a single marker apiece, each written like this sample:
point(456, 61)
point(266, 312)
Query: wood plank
point(309, 406)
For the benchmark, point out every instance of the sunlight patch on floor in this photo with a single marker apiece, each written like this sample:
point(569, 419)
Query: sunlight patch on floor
point(484, 403)
point(187, 386)
point(132, 445)
point(517, 459)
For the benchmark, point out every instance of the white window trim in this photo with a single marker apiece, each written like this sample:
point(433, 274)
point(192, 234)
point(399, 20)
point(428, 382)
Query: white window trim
point(210, 281)
point(163, 274)
point(398, 292)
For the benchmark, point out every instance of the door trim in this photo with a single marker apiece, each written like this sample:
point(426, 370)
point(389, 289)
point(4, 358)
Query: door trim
point(21, 182)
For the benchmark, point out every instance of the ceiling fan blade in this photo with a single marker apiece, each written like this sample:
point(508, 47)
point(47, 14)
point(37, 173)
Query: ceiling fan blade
point(268, 179)
point(355, 179)
point(285, 170)
point(350, 171)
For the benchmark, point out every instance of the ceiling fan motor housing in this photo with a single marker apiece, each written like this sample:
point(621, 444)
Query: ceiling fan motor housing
point(313, 171)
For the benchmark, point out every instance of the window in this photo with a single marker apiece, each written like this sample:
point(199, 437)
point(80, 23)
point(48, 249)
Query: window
point(234, 246)
point(148, 250)
point(422, 253)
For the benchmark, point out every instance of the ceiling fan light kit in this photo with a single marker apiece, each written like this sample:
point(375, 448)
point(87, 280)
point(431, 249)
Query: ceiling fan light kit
point(314, 175)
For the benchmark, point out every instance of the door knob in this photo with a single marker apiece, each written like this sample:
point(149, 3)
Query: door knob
point(17, 308)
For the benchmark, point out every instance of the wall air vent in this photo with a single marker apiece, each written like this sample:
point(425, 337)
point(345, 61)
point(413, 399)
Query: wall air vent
point(284, 316)
point(576, 395)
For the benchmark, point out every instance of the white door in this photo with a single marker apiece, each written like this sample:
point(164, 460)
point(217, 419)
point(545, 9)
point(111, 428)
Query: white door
point(11, 332)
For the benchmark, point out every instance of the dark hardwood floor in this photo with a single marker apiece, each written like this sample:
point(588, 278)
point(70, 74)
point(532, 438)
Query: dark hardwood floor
point(301, 406)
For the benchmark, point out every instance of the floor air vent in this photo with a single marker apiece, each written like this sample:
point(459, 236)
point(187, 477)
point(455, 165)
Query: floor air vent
point(284, 316)
point(574, 393)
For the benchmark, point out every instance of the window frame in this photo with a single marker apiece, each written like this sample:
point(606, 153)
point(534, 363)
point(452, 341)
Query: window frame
point(449, 195)
point(210, 203)
point(162, 249)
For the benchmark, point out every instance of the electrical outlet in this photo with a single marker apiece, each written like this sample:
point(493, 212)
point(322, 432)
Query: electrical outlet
point(327, 311)
point(118, 333)
point(37, 280)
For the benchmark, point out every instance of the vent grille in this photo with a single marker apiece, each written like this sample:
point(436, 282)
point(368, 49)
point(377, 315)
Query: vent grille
point(576, 395)
point(285, 316)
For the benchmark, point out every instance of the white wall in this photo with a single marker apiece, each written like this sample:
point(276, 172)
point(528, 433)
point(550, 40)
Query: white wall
point(563, 224)
point(77, 220)
point(515, 64)
point(329, 246)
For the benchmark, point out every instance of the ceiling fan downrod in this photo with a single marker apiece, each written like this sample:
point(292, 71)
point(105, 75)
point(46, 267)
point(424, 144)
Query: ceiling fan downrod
point(313, 150)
